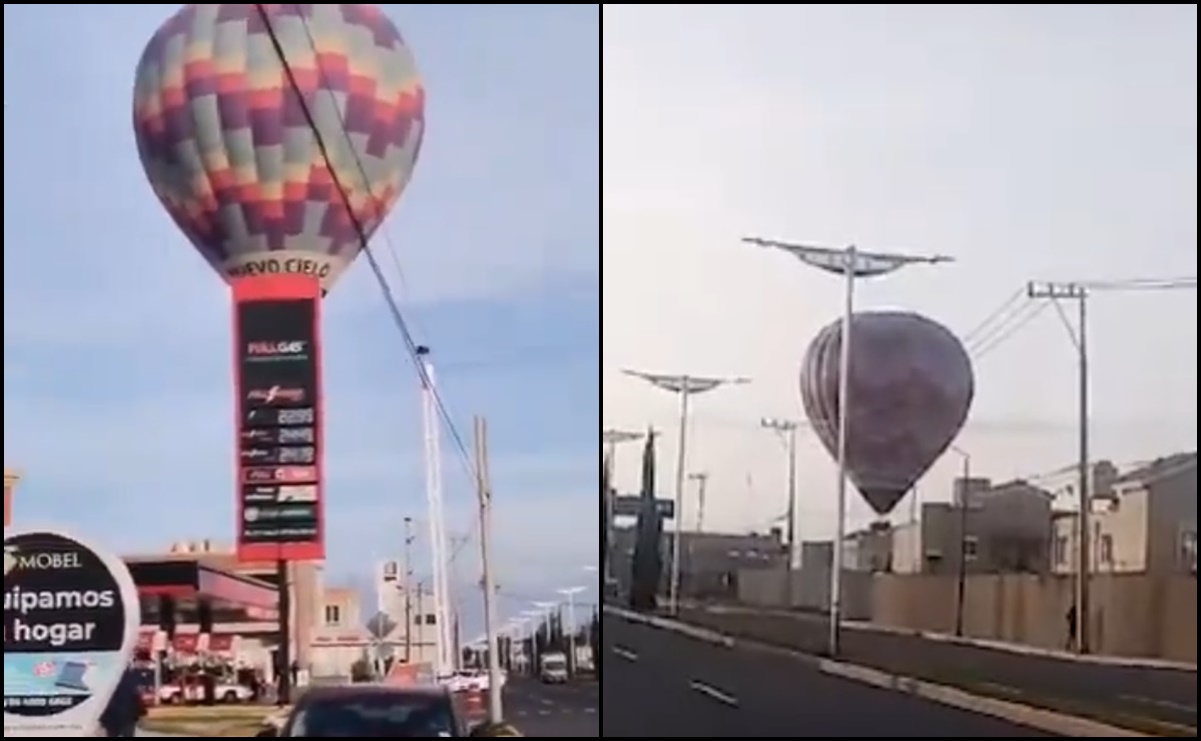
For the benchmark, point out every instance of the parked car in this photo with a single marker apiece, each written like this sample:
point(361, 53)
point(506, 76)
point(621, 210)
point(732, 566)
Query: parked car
point(472, 680)
point(224, 692)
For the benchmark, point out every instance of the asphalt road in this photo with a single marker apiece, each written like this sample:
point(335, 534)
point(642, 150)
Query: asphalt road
point(546, 711)
point(1164, 695)
point(661, 684)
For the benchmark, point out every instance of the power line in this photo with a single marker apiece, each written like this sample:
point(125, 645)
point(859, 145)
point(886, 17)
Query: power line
point(998, 316)
point(398, 318)
point(1017, 311)
point(1016, 322)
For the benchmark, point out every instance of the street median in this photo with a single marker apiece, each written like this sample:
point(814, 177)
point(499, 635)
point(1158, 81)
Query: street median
point(226, 721)
point(1155, 701)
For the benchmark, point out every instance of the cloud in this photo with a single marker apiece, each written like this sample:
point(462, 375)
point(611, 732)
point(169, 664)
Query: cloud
point(884, 127)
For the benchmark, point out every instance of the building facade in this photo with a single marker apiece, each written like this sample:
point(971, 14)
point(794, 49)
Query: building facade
point(1146, 523)
point(987, 528)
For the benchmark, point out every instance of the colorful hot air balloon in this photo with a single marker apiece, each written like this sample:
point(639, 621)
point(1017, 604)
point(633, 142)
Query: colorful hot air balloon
point(228, 147)
point(911, 387)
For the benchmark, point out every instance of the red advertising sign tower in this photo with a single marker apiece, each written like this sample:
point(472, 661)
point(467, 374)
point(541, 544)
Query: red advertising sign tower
point(279, 418)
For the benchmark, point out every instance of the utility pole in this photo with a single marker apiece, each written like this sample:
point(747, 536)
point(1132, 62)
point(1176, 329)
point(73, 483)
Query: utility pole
point(408, 577)
point(684, 386)
point(964, 504)
point(421, 620)
point(852, 264)
point(1079, 293)
point(491, 620)
point(788, 429)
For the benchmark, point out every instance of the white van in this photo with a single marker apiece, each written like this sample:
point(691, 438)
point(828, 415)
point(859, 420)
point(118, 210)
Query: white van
point(553, 669)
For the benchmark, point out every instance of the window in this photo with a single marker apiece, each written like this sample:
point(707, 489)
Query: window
point(1105, 549)
point(1188, 552)
point(1061, 549)
point(333, 614)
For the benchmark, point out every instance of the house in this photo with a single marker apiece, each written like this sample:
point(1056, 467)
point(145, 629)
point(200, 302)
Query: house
point(870, 549)
point(709, 561)
point(989, 528)
point(1147, 524)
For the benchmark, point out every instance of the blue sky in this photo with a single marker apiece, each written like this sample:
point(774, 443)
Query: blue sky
point(116, 335)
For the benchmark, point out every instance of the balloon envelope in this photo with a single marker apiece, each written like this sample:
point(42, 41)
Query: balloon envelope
point(230, 153)
point(911, 387)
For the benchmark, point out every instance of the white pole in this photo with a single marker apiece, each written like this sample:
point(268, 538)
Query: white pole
point(445, 618)
point(433, 486)
point(844, 398)
point(681, 477)
point(571, 629)
point(491, 619)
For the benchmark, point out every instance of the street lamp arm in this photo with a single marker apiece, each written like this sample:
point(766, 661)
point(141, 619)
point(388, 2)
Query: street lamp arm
point(858, 262)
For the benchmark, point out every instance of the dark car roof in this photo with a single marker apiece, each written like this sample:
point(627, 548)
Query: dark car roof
point(371, 690)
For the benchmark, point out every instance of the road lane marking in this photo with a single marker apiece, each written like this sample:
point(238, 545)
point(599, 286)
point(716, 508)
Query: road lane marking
point(713, 693)
point(625, 653)
point(1160, 703)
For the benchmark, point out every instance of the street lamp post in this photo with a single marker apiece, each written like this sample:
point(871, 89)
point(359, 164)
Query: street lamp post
point(612, 438)
point(852, 264)
point(570, 594)
point(685, 387)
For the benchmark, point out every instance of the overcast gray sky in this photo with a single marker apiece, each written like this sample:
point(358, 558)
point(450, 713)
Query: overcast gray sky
point(1030, 142)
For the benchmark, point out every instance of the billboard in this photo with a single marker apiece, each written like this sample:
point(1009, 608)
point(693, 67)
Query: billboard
point(277, 356)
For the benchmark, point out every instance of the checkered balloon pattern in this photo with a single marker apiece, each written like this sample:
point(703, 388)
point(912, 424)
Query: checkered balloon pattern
point(911, 386)
point(224, 131)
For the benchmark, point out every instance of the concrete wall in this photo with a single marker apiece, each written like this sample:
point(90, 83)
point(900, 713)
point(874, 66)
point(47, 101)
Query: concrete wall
point(810, 590)
point(1131, 615)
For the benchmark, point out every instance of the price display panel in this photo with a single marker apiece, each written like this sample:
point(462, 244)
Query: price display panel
point(279, 436)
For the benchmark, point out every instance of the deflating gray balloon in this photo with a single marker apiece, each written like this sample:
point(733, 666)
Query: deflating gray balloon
point(911, 387)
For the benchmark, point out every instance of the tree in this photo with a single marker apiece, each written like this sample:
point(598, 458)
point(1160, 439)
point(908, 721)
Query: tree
point(647, 569)
point(594, 641)
point(606, 510)
point(361, 670)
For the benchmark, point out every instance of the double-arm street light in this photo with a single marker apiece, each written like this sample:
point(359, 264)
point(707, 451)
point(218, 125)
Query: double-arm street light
point(685, 386)
point(852, 264)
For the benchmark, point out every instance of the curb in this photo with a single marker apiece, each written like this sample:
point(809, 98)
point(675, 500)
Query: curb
point(1040, 719)
point(1050, 721)
point(1134, 662)
point(701, 634)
